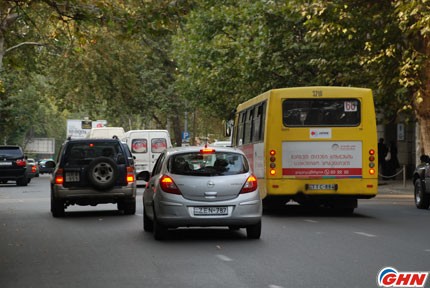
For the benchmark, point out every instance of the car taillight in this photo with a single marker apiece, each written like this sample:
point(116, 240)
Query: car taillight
point(250, 185)
point(130, 175)
point(59, 178)
point(168, 185)
point(21, 163)
point(33, 169)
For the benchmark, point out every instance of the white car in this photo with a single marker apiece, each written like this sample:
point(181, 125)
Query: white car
point(197, 186)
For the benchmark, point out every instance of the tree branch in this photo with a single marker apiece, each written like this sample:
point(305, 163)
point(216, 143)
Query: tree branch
point(22, 44)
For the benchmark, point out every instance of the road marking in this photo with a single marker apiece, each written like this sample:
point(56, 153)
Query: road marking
point(311, 221)
point(275, 286)
point(365, 234)
point(141, 215)
point(224, 258)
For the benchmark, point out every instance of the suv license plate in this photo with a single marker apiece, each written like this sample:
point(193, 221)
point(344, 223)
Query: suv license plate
point(321, 187)
point(72, 176)
point(202, 211)
point(5, 163)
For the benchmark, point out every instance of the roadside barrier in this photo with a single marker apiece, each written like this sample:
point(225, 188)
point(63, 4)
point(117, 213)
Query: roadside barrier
point(401, 171)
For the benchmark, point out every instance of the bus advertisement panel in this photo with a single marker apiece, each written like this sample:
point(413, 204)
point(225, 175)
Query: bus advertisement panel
point(332, 159)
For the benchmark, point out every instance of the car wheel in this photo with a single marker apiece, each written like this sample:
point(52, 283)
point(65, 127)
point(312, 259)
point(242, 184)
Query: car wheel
point(160, 231)
point(148, 224)
point(22, 181)
point(57, 207)
point(102, 173)
point(129, 207)
point(422, 199)
point(254, 231)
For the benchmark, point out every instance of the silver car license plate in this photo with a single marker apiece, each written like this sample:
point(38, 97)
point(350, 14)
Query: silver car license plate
point(205, 211)
point(5, 163)
point(321, 187)
point(72, 176)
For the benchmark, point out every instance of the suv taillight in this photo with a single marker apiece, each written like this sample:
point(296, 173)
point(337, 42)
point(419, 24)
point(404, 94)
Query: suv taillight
point(21, 163)
point(250, 185)
point(168, 185)
point(130, 175)
point(59, 178)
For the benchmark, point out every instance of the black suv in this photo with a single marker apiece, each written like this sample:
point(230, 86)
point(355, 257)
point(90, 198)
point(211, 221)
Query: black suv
point(13, 165)
point(91, 172)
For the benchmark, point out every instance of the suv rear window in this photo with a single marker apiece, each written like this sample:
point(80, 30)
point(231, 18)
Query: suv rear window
point(84, 152)
point(10, 152)
point(197, 164)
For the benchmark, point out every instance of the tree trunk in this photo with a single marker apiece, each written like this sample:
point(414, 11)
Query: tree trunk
point(423, 108)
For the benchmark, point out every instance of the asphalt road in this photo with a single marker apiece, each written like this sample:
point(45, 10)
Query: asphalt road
point(98, 247)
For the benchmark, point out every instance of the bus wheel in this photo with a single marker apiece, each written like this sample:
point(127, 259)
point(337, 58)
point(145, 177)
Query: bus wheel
point(271, 204)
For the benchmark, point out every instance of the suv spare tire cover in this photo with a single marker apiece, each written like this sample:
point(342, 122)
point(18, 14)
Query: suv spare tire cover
point(102, 173)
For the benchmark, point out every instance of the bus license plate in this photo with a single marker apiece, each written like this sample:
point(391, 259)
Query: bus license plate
point(321, 187)
point(72, 176)
point(205, 211)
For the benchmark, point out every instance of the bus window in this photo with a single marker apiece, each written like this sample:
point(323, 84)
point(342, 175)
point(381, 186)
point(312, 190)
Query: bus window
point(321, 112)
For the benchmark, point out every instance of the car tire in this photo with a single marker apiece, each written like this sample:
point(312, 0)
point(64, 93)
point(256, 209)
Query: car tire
point(422, 199)
point(148, 224)
point(102, 173)
point(57, 208)
point(160, 231)
point(254, 231)
point(128, 206)
point(22, 181)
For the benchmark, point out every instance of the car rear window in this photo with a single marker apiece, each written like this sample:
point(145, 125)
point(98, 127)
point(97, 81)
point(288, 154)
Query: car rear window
point(10, 152)
point(215, 164)
point(84, 152)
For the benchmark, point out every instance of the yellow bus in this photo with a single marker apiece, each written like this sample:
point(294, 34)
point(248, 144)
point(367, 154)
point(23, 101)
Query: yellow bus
point(311, 145)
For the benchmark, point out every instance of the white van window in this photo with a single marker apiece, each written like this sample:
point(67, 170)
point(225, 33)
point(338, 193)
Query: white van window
point(139, 146)
point(158, 145)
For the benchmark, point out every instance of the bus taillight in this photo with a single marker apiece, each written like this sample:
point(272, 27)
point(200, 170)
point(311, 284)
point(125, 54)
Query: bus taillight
point(372, 164)
point(272, 162)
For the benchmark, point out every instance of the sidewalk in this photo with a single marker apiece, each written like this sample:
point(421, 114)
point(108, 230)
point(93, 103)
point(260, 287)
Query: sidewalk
point(395, 187)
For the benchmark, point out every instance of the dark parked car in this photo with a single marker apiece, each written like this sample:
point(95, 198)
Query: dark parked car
point(421, 180)
point(13, 165)
point(91, 172)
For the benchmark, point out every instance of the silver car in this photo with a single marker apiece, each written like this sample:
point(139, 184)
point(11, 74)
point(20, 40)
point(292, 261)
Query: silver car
point(198, 186)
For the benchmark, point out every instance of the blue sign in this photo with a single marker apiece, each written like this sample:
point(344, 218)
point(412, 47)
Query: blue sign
point(185, 136)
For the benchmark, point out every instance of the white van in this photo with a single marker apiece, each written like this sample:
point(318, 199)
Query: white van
point(146, 146)
point(106, 132)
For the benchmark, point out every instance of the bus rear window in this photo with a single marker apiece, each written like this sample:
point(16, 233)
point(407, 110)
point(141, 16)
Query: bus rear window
point(321, 112)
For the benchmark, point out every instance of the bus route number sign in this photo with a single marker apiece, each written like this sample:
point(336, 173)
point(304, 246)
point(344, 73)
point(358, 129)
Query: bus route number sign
point(317, 93)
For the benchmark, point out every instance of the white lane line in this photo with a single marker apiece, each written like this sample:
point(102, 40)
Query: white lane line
point(365, 234)
point(275, 286)
point(224, 258)
point(311, 221)
point(137, 214)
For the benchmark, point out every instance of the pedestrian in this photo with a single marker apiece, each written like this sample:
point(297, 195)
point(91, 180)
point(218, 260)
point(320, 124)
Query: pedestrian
point(382, 153)
point(392, 163)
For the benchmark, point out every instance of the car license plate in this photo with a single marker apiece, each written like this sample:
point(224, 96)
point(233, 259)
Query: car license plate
point(5, 163)
point(72, 176)
point(202, 211)
point(321, 187)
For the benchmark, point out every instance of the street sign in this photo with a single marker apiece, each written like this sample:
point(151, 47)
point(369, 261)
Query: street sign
point(185, 136)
